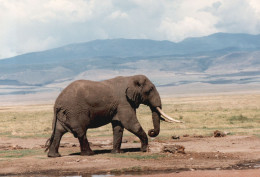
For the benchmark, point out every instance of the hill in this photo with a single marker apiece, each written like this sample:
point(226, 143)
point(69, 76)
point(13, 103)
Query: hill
point(216, 59)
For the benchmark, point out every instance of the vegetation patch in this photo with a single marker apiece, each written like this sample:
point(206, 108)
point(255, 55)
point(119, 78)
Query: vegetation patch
point(124, 170)
point(20, 153)
point(139, 156)
point(257, 135)
point(239, 118)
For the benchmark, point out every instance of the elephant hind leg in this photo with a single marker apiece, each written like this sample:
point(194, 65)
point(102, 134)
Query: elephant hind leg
point(54, 147)
point(84, 146)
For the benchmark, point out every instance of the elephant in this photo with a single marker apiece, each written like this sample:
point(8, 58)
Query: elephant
point(86, 104)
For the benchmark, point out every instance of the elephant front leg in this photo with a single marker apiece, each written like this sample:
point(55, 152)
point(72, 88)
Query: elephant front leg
point(139, 132)
point(117, 135)
point(128, 118)
point(84, 146)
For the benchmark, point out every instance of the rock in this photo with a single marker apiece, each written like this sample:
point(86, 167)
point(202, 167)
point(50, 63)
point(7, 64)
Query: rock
point(218, 133)
point(175, 137)
point(165, 148)
point(227, 133)
point(124, 141)
point(173, 149)
point(16, 147)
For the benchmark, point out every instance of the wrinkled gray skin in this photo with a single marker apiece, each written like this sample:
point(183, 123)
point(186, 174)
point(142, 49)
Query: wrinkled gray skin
point(87, 104)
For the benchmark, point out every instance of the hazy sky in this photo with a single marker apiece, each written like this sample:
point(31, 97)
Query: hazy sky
point(33, 25)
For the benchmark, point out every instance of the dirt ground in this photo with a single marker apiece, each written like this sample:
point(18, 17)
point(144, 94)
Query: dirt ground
point(204, 156)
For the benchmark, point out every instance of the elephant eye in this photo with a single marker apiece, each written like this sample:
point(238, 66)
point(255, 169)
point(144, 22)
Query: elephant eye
point(148, 92)
point(138, 84)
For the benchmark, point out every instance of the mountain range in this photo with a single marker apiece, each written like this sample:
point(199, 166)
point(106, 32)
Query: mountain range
point(219, 58)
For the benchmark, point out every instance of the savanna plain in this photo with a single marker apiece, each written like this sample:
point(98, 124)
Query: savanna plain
point(24, 130)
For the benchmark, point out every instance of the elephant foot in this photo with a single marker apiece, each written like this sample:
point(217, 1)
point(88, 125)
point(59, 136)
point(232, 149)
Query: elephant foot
point(87, 153)
point(144, 148)
point(116, 151)
point(54, 154)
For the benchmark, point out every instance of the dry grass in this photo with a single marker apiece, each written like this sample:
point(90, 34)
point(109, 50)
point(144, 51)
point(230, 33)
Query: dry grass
point(237, 114)
point(203, 115)
point(26, 121)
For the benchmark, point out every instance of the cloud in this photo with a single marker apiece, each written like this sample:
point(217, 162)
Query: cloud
point(188, 26)
point(29, 25)
point(188, 20)
point(118, 14)
point(236, 16)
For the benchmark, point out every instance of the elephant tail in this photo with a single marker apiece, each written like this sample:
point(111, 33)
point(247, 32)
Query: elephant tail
point(47, 144)
point(50, 140)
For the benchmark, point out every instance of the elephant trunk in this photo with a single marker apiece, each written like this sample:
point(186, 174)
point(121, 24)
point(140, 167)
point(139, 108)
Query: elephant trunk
point(157, 114)
point(156, 122)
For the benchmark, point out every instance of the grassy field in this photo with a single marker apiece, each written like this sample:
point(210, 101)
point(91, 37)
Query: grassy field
point(236, 114)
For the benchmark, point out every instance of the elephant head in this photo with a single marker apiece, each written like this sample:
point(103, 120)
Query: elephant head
point(141, 90)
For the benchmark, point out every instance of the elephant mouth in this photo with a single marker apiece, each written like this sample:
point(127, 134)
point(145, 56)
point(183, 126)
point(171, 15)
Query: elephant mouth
point(167, 118)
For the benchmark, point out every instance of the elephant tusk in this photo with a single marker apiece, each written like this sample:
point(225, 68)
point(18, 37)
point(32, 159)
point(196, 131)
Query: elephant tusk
point(166, 117)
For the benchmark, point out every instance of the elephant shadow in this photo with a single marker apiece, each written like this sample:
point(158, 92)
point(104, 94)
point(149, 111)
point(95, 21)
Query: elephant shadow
point(106, 151)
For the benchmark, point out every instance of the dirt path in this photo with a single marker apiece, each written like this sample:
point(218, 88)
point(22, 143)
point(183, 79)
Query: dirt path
point(26, 156)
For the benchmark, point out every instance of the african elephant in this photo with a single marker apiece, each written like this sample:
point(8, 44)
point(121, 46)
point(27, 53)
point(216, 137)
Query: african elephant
point(88, 104)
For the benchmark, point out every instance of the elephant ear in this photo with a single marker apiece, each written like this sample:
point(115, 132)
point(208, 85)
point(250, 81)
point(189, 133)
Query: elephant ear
point(134, 90)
